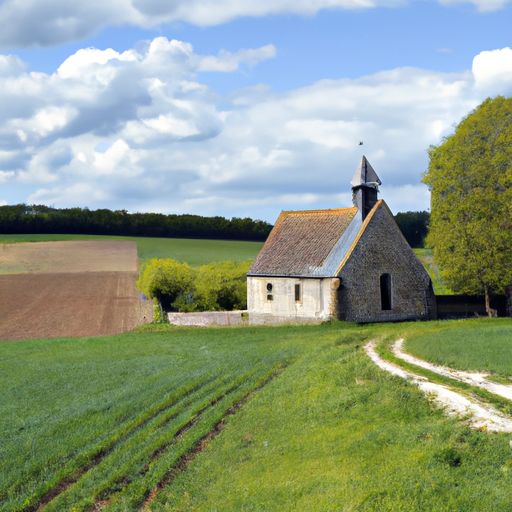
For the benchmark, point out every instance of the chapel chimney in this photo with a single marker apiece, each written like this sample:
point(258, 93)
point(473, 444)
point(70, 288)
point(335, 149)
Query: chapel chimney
point(365, 187)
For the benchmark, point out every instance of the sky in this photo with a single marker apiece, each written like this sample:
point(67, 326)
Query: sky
point(237, 108)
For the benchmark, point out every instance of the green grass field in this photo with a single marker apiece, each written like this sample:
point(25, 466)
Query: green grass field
point(122, 409)
point(194, 252)
point(479, 345)
point(103, 423)
point(425, 256)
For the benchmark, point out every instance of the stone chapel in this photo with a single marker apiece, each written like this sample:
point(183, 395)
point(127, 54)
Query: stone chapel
point(349, 264)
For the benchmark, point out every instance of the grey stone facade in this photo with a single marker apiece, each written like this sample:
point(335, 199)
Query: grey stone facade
point(382, 249)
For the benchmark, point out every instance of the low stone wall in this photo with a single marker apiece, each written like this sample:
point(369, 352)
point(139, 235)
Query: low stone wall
point(208, 318)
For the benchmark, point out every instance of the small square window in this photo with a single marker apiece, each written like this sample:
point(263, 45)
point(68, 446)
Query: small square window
point(270, 297)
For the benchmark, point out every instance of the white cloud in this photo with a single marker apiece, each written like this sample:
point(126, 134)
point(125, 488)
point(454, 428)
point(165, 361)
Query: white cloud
point(26, 23)
point(11, 65)
point(411, 198)
point(493, 70)
point(333, 134)
point(227, 61)
point(5, 175)
point(482, 5)
point(169, 124)
point(47, 120)
point(74, 193)
point(118, 159)
point(142, 133)
point(91, 62)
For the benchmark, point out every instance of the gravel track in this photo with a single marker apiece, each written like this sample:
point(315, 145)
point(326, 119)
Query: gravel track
point(472, 378)
point(478, 415)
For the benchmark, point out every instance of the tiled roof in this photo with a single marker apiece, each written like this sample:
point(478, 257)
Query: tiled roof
point(301, 242)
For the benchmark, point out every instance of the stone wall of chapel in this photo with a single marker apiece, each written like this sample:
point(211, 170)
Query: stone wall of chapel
point(382, 249)
point(316, 304)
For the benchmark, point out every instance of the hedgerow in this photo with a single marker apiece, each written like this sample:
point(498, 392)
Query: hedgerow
point(178, 287)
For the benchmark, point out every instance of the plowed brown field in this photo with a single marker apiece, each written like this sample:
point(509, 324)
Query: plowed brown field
point(60, 289)
point(73, 256)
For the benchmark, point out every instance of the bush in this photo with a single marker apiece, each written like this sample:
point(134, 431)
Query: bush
point(165, 279)
point(218, 287)
point(213, 287)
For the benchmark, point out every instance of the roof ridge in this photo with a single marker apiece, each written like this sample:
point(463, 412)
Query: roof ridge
point(320, 210)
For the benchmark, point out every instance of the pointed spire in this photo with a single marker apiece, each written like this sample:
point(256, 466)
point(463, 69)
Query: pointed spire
point(365, 187)
point(365, 175)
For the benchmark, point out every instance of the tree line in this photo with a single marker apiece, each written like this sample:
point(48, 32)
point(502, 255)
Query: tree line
point(40, 219)
point(414, 227)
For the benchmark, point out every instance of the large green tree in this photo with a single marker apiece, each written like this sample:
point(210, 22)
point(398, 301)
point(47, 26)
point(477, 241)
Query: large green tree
point(470, 178)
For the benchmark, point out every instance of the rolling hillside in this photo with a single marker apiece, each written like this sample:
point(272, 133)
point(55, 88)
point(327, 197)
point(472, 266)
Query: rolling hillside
point(237, 419)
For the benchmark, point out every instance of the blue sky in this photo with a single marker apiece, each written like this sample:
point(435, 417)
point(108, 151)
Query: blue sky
point(237, 108)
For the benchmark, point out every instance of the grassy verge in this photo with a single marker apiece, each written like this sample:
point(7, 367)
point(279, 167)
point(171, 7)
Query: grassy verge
point(194, 252)
point(479, 345)
point(329, 432)
point(425, 256)
point(296, 418)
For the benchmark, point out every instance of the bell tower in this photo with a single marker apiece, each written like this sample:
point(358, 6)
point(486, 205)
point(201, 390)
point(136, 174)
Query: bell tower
point(365, 187)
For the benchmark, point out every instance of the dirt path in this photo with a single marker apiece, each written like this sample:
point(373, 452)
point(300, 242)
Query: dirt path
point(479, 416)
point(472, 378)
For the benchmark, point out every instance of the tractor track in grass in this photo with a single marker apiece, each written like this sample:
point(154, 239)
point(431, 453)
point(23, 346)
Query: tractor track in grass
point(135, 479)
point(161, 420)
point(69, 480)
point(202, 443)
point(478, 415)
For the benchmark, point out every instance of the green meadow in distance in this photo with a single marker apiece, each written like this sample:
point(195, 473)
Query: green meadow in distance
point(195, 252)
point(425, 256)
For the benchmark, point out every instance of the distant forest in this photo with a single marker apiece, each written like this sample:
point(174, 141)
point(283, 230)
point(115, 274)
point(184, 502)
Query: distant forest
point(32, 219)
point(414, 226)
point(40, 219)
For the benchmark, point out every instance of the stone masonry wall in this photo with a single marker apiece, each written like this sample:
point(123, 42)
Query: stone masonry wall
point(382, 249)
point(207, 318)
point(316, 302)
